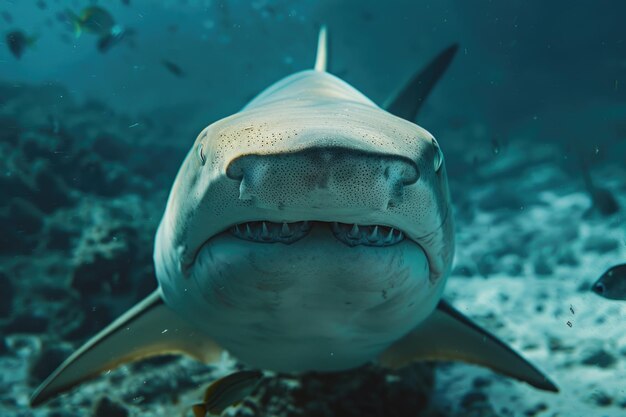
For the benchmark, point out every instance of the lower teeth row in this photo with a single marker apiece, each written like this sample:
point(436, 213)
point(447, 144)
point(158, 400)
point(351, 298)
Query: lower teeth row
point(353, 234)
point(350, 234)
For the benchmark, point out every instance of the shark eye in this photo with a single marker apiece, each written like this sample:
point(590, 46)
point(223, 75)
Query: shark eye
point(438, 159)
point(201, 153)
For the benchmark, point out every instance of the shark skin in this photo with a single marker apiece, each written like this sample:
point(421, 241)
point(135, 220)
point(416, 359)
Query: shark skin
point(311, 231)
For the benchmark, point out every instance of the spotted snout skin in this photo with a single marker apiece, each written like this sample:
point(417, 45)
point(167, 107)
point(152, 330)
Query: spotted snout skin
point(323, 178)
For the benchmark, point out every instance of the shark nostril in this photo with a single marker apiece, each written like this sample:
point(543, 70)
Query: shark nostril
point(322, 178)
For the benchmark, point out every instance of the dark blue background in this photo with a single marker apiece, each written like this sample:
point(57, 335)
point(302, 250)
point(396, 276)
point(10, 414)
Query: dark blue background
point(545, 70)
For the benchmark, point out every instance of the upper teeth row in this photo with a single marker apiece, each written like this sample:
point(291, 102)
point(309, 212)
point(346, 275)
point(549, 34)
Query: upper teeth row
point(353, 234)
point(271, 232)
point(350, 234)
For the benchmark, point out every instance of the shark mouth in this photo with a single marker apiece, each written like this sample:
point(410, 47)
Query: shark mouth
point(350, 234)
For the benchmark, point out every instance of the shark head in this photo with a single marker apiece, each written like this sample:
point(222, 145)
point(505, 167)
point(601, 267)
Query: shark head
point(309, 148)
point(310, 182)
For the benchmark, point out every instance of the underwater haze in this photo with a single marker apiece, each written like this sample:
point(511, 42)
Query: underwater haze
point(511, 283)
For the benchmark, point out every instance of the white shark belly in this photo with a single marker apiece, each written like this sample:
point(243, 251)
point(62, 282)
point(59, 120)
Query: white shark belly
point(316, 304)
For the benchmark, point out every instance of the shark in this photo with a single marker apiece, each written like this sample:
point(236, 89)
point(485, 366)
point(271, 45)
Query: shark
point(310, 231)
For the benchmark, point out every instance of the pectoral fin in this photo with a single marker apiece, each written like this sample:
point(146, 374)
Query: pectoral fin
point(150, 328)
point(448, 335)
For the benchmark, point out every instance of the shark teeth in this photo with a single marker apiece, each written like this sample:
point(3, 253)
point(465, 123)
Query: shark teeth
point(349, 233)
point(271, 232)
point(375, 235)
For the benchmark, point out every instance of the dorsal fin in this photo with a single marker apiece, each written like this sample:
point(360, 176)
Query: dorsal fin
point(321, 60)
point(407, 102)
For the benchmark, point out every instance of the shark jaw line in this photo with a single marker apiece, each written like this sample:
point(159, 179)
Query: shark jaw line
point(366, 235)
point(350, 234)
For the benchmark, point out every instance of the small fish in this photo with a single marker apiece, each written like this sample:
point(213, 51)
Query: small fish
point(173, 68)
point(106, 42)
point(126, 2)
point(227, 391)
point(612, 284)
point(42, 5)
point(92, 19)
point(603, 200)
point(18, 41)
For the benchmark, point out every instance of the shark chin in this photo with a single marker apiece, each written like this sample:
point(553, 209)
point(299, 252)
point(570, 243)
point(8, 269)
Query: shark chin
point(320, 303)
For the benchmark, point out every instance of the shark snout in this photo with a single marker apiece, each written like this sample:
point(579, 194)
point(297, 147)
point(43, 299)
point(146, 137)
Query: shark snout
point(323, 178)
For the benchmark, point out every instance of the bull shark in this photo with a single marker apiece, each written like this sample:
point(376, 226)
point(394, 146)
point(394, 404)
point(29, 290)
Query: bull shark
point(310, 231)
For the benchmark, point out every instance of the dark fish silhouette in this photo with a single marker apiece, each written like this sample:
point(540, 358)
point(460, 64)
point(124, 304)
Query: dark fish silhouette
point(603, 200)
point(108, 41)
point(173, 68)
point(92, 19)
point(18, 41)
point(612, 284)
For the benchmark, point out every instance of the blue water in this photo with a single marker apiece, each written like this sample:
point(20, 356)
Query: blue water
point(519, 61)
point(90, 143)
